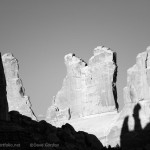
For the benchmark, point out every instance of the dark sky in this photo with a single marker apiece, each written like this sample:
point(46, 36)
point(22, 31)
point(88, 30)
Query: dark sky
point(41, 32)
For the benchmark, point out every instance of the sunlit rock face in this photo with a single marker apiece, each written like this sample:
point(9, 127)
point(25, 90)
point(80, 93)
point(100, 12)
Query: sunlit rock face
point(87, 89)
point(136, 91)
point(3, 97)
point(17, 100)
point(138, 79)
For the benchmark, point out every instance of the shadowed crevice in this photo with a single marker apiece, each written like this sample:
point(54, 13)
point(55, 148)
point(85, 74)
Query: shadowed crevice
point(115, 80)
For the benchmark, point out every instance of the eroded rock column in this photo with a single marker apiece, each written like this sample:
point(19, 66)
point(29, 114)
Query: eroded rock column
point(17, 100)
point(3, 97)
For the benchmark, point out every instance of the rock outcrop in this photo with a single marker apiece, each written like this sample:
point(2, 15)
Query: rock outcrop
point(87, 89)
point(3, 95)
point(17, 100)
point(136, 93)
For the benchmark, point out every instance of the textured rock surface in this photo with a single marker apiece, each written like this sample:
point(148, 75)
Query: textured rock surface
point(136, 91)
point(3, 97)
point(87, 89)
point(17, 100)
point(138, 79)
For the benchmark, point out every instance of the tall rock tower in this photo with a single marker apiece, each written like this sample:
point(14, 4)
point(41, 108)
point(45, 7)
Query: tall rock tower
point(3, 97)
point(87, 89)
point(17, 100)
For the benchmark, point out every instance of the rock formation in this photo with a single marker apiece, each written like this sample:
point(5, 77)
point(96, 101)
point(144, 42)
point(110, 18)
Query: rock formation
point(87, 89)
point(3, 97)
point(137, 92)
point(20, 131)
point(87, 102)
point(17, 100)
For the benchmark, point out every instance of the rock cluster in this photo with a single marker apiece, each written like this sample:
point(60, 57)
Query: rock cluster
point(90, 89)
point(86, 102)
point(17, 100)
point(87, 89)
point(18, 131)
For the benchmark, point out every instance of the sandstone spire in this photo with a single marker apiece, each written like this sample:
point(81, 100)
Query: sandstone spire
point(17, 100)
point(3, 97)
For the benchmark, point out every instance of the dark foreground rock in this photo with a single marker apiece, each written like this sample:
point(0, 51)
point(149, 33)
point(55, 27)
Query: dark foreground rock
point(21, 132)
